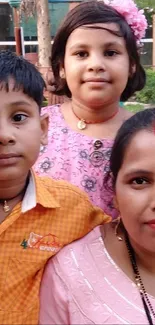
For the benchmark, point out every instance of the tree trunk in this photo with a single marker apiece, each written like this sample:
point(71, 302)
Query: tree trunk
point(44, 33)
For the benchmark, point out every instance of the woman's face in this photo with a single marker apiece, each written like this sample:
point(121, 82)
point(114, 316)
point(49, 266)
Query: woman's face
point(135, 191)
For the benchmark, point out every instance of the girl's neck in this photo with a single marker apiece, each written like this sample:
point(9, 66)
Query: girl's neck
point(100, 130)
point(94, 113)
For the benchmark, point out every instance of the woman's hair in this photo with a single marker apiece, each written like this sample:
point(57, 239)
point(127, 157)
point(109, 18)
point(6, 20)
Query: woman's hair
point(144, 120)
point(92, 12)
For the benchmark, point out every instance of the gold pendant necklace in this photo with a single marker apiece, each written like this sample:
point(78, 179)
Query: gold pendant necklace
point(6, 207)
point(81, 124)
point(5, 204)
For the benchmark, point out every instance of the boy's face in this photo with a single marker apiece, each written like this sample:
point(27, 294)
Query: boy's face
point(22, 131)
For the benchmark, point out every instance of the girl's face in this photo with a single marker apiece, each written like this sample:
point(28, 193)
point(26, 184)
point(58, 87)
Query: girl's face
point(135, 191)
point(96, 65)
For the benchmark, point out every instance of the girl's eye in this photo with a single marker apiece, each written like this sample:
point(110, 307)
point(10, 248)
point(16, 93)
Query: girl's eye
point(111, 53)
point(19, 117)
point(81, 54)
point(139, 181)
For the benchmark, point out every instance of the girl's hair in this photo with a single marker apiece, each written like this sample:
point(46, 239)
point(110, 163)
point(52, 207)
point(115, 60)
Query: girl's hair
point(144, 120)
point(93, 12)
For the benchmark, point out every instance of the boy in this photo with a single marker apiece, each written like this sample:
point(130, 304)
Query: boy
point(38, 216)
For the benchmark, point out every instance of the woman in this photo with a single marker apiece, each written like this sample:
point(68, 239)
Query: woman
point(108, 277)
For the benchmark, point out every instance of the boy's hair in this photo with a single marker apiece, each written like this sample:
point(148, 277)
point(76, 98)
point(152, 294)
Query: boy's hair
point(92, 12)
point(144, 120)
point(24, 74)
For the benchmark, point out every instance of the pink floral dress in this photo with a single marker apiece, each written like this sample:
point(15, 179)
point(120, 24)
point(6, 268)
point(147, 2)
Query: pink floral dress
point(77, 158)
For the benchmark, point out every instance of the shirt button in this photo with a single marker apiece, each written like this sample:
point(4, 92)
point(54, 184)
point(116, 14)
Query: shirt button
point(98, 144)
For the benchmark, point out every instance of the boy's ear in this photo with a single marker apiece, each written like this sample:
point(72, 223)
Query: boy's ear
point(44, 129)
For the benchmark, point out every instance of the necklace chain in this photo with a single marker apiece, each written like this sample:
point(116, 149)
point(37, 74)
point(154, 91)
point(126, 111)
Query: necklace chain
point(82, 123)
point(144, 296)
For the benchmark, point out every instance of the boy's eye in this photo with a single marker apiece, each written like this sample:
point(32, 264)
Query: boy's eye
point(19, 117)
point(111, 53)
point(139, 181)
point(81, 54)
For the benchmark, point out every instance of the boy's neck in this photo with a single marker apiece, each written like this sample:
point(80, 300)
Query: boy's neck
point(11, 193)
point(9, 190)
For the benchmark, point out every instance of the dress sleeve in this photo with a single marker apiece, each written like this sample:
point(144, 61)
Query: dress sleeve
point(53, 298)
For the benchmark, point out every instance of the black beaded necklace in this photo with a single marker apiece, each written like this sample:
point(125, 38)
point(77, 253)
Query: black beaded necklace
point(145, 299)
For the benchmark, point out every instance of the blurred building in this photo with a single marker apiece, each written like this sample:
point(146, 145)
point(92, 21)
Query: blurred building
point(57, 9)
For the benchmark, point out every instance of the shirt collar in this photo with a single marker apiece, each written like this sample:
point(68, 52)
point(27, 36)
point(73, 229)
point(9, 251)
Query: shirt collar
point(39, 191)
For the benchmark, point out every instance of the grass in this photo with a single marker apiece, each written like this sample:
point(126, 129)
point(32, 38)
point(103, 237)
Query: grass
point(134, 107)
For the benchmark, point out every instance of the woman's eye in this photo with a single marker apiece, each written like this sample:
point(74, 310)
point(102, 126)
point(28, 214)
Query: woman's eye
point(139, 181)
point(19, 117)
point(81, 54)
point(111, 53)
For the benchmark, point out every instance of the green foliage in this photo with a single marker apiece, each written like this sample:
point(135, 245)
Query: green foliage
point(45, 103)
point(149, 8)
point(145, 3)
point(134, 108)
point(147, 95)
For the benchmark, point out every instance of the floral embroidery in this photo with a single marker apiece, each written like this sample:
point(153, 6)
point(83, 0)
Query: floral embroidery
point(64, 130)
point(89, 183)
point(84, 154)
point(106, 168)
point(46, 164)
point(107, 154)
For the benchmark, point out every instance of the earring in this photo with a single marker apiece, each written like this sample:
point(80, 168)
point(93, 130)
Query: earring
point(118, 220)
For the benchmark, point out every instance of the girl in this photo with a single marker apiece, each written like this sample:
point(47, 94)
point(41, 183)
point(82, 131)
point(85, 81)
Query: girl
point(108, 276)
point(96, 64)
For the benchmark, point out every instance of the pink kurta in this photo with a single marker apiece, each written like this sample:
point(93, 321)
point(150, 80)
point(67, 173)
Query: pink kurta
point(83, 285)
point(78, 159)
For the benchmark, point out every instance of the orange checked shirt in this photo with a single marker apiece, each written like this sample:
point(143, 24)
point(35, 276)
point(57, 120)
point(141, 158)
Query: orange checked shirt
point(51, 215)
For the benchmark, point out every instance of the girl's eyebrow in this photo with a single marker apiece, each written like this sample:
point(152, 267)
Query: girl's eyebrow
point(78, 45)
point(84, 46)
point(114, 43)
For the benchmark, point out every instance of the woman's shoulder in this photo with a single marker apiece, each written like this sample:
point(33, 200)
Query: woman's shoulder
point(78, 246)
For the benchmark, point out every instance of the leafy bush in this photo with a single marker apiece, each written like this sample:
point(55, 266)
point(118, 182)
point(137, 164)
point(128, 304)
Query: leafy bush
point(147, 95)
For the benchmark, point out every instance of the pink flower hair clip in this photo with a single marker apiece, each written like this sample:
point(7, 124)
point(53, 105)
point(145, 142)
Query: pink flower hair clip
point(134, 17)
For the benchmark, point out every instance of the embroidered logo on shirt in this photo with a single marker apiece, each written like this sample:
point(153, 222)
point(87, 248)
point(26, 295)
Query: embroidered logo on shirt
point(43, 243)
